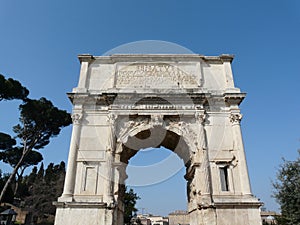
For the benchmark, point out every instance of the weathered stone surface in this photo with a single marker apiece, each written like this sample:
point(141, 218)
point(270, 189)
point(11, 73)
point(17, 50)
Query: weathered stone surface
point(186, 103)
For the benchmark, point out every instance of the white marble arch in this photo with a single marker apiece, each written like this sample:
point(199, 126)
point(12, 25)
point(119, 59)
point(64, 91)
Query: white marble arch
point(187, 103)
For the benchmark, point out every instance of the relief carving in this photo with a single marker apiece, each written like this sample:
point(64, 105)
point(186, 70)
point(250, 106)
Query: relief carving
point(128, 125)
point(157, 120)
point(201, 118)
point(190, 134)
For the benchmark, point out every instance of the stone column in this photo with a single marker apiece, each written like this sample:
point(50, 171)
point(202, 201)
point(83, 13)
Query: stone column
point(235, 119)
point(204, 213)
point(120, 178)
point(72, 164)
point(108, 195)
point(204, 168)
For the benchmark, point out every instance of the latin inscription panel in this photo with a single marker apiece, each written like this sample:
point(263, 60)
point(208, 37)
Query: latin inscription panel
point(157, 75)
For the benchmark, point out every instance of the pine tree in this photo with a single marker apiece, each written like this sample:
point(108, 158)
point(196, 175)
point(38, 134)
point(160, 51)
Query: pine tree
point(40, 120)
point(11, 89)
point(40, 198)
point(287, 191)
point(130, 199)
point(40, 174)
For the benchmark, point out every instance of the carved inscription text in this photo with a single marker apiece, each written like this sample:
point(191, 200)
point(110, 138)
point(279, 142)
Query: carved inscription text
point(154, 75)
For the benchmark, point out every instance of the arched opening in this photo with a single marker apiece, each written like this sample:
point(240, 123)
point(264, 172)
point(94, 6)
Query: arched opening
point(157, 176)
point(155, 137)
point(160, 158)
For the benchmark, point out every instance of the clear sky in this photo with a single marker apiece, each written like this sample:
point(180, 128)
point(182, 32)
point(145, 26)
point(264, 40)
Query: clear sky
point(40, 41)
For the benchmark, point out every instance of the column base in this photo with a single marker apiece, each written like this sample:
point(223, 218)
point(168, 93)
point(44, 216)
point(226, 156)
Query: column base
point(65, 198)
point(243, 212)
point(75, 213)
point(203, 216)
point(227, 212)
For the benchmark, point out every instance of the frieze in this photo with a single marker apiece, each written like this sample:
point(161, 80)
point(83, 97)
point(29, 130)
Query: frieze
point(155, 107)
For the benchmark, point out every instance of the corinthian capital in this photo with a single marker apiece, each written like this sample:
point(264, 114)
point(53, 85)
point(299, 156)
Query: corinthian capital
point(111, 118)
point(200, 116)
point(76, 118)
point(235, 118)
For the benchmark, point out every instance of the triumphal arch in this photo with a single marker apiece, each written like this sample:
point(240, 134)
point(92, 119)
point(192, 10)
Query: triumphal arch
point(186, 103)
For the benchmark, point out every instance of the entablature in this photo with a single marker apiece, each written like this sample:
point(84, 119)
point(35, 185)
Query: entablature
point(149, 98)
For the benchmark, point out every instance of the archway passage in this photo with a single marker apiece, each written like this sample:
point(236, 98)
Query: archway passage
point(157, 176)
point(186, 103)
point(155, 137)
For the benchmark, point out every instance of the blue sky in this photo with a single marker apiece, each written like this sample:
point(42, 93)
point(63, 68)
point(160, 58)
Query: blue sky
point(40, 41)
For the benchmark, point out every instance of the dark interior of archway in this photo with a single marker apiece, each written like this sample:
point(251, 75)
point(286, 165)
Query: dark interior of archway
point(171, 141)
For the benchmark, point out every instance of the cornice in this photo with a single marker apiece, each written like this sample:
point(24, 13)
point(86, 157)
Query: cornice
point(85, 58)
point(234, 98)
point(156, 58)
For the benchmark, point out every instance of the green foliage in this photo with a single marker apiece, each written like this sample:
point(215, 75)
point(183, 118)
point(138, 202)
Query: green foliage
point(31, 178)
point(41, 172)
point(9, 197)
point(130, 199)
point(287, 191)
point(39, 121)
point(38, 190)
point(281, 220)
point(12, 89)
point(6, 141)
point(44, 189)
point(52, 172)
point(13, 155)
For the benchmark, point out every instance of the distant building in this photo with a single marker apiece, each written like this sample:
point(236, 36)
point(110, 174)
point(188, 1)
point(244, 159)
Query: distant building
point(22, 217)
point(143, 219)
point(158, 220)
point(269, 217)
point(182, 217)
point(179, 217)
point(149, 219)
